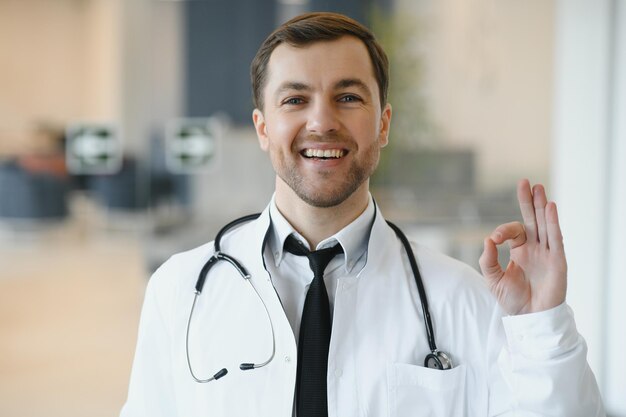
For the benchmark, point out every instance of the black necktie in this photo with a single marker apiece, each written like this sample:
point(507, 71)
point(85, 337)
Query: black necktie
point(314, 338)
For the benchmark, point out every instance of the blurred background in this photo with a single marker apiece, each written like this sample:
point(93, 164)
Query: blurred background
point(126, 136)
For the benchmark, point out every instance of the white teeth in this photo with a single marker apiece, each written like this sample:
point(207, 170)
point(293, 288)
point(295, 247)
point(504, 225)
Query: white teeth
point(323, 153)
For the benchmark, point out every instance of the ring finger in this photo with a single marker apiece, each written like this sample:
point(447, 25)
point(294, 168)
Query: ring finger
point(525, 198)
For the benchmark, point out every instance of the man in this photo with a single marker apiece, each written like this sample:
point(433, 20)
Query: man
point(320, 85)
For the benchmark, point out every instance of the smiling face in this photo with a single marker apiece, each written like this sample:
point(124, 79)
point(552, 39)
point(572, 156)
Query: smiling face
point(322, 123)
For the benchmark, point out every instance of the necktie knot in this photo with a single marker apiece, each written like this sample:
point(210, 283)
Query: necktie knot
point(318, 259)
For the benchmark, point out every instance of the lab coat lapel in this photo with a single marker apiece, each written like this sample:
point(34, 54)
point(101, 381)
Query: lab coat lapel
point(382, 249)
point(252, 256)
point(269, 390)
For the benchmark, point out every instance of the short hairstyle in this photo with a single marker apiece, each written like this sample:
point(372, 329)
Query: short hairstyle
point(316, 27)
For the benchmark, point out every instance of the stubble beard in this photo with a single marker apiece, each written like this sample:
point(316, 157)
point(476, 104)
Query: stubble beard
point(358, 173)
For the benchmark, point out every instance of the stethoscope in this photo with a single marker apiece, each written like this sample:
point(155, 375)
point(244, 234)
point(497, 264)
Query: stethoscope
point(436, 359)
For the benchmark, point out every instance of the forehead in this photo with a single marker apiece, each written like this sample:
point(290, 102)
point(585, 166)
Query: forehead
point(321, 64)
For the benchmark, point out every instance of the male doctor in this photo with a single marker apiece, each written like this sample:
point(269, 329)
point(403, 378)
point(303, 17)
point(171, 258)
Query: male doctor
point(350, 339)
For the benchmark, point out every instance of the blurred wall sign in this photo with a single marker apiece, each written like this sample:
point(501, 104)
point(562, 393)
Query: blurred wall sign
point(93, 148)
point(191, 145)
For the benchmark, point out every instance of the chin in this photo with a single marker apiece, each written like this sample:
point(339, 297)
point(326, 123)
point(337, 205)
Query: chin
point(325, 189)
point(326, 199)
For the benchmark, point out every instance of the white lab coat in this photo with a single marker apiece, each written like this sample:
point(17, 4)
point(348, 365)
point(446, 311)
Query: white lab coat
point(531, 365)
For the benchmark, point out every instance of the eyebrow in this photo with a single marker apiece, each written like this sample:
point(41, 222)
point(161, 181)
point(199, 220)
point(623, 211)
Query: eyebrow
point(353, 82)
point(292, 85)
point(339, 85)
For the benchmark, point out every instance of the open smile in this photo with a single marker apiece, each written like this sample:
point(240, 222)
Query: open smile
point(323, 153)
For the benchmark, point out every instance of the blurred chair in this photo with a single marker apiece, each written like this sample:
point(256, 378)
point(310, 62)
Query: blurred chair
point(32, 195)
point(166, 186)
point(126, 190)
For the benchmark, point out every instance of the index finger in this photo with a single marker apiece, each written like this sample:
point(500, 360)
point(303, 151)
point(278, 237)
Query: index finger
point(525, 198)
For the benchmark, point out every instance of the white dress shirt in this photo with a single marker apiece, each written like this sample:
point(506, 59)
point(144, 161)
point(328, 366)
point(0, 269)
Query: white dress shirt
point(292, 275)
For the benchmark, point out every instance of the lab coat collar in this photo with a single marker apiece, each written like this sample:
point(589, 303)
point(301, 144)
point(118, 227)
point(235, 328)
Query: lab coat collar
point(353, 238)
point(247, 242)
point(382, 242)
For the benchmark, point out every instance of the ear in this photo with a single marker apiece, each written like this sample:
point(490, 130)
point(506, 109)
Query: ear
point(261, 129)
point(385, 124)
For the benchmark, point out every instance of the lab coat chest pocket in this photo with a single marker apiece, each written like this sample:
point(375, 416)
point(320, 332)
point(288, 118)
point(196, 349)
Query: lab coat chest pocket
point(417, 391)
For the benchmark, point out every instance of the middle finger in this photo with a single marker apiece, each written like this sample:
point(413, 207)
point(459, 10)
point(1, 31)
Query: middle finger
point(540, 201)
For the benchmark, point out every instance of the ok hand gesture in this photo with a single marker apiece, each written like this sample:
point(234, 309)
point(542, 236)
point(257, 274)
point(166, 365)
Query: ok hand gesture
point(536, 276)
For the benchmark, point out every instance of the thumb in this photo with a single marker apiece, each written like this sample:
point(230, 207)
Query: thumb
point(488, 261)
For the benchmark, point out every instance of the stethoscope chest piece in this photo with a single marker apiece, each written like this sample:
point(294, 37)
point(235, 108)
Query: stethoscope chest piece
point(438, 360)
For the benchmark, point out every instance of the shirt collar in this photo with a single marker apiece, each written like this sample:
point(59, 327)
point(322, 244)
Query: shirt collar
point(353, 238)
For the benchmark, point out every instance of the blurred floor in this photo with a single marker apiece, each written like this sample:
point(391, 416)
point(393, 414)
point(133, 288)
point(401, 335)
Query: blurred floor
point(69, 308)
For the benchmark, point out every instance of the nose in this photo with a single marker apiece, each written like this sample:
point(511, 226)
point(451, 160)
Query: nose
point(322, 118)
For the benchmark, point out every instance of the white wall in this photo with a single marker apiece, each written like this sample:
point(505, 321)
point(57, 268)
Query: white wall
point(488, 81)
point(590, 181)
point(615, 363)
point(41, 75)
point(60, 63)
point(101, 33)
point(89, 60)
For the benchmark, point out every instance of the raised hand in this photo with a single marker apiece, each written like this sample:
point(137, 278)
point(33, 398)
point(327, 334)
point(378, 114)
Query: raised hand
point(536, 277)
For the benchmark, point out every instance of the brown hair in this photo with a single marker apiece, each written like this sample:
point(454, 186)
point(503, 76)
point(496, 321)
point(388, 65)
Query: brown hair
point(315, 27)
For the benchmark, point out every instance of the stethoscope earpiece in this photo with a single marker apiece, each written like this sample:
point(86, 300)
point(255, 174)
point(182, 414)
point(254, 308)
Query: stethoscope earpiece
point(221, 373)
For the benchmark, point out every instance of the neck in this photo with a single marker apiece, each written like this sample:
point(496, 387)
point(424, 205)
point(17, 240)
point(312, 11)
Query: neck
point(318, 223)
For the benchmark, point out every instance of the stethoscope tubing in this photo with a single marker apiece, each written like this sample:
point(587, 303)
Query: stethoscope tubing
point(441, 358)
point(244, 273)
point(420, 286)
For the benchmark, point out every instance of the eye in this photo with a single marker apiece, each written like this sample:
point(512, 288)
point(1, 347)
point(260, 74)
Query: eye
point(349, 98)
point(293, 101)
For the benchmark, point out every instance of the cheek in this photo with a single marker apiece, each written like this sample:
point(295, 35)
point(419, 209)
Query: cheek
point(281, 131)
point(369, 133)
